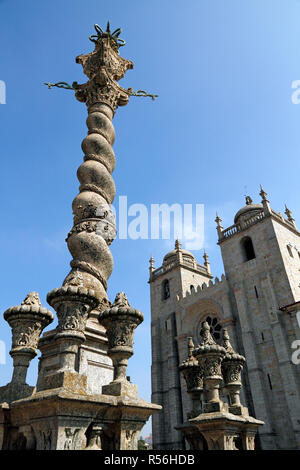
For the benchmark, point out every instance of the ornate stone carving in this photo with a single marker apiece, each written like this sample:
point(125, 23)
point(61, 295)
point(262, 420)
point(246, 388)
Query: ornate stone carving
point(120, 322)
point(210, 355)
point(71, 438)
point(129, 435)
point(45, 439)
point(232, 367)
point(193, 377)
point(27, 322)
point(72, 305)
point(26, 335)
point(232, 371)
point(94, 223)
point(192, 372)
point(32, 299)
point(250, 442)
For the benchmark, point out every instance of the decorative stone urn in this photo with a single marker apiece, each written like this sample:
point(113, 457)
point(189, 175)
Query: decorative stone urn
point(209, 356)
point(72, 305)
point(232, 367)
point(27, 321)
point(120, 322)
point(192, 372)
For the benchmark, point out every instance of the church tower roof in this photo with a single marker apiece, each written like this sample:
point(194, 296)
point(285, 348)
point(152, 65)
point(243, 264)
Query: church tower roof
point(249, 209)
point(174, 254)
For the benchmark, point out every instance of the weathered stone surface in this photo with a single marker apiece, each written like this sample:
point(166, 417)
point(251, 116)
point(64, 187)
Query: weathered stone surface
point(246, 301)
point(27, 322)
point(60, 419)
point(120, 322)
point(217, 428)
point(66, 411)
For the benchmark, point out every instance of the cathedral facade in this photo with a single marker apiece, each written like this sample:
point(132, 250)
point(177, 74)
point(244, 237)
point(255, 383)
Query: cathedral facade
point(256, 300)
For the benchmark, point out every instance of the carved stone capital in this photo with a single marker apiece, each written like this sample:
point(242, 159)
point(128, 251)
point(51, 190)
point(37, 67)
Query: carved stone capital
point(72, 305)
point(120, 322)
point(27, 322)
point(232, 368)
point(104, 68)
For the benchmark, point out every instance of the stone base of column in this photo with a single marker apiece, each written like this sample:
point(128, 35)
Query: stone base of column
point(238, 410)
point(226, 431)
point(193, 436)
point(123, 388)
point(214, 407)
point(12, 392)
point(71, 381)
point(59, 419)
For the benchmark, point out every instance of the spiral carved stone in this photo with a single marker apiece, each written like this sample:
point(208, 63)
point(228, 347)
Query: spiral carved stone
point(94, 224)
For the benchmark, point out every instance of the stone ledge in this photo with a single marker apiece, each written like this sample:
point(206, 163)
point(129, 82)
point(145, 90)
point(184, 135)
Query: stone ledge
point(121, 389)
point(72, 381)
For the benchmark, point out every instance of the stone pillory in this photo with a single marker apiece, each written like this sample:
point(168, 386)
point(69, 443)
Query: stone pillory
point(82, 399)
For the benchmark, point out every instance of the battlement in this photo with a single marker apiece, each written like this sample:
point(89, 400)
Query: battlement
point(207, 288)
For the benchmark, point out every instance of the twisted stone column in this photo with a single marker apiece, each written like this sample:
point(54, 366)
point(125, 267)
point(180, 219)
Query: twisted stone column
point(94, 223)
point(84, 288)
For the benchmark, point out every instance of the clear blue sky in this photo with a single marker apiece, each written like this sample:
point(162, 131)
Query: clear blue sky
point(224, 120)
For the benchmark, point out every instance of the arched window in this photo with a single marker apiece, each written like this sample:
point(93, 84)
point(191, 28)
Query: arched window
point(215, 328)
point(165, 289)
point(248, 250)
point(192, 289)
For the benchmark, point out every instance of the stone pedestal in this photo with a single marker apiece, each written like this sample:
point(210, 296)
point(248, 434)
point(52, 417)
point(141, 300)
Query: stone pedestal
point(27, 322)
point(219, 426)
point(120, 322)
point(193, 375)
point(60, 419)
point(225, 431)
point(123, 388)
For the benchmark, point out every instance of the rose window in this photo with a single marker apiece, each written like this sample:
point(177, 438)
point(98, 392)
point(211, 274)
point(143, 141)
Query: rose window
point(215, 328)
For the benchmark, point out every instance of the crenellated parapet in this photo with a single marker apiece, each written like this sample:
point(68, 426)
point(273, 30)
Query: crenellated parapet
point(203, 290)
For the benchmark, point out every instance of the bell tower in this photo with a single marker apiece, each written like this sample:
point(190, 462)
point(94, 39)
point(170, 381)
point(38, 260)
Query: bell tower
point(261, 256)
point(179, 273)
